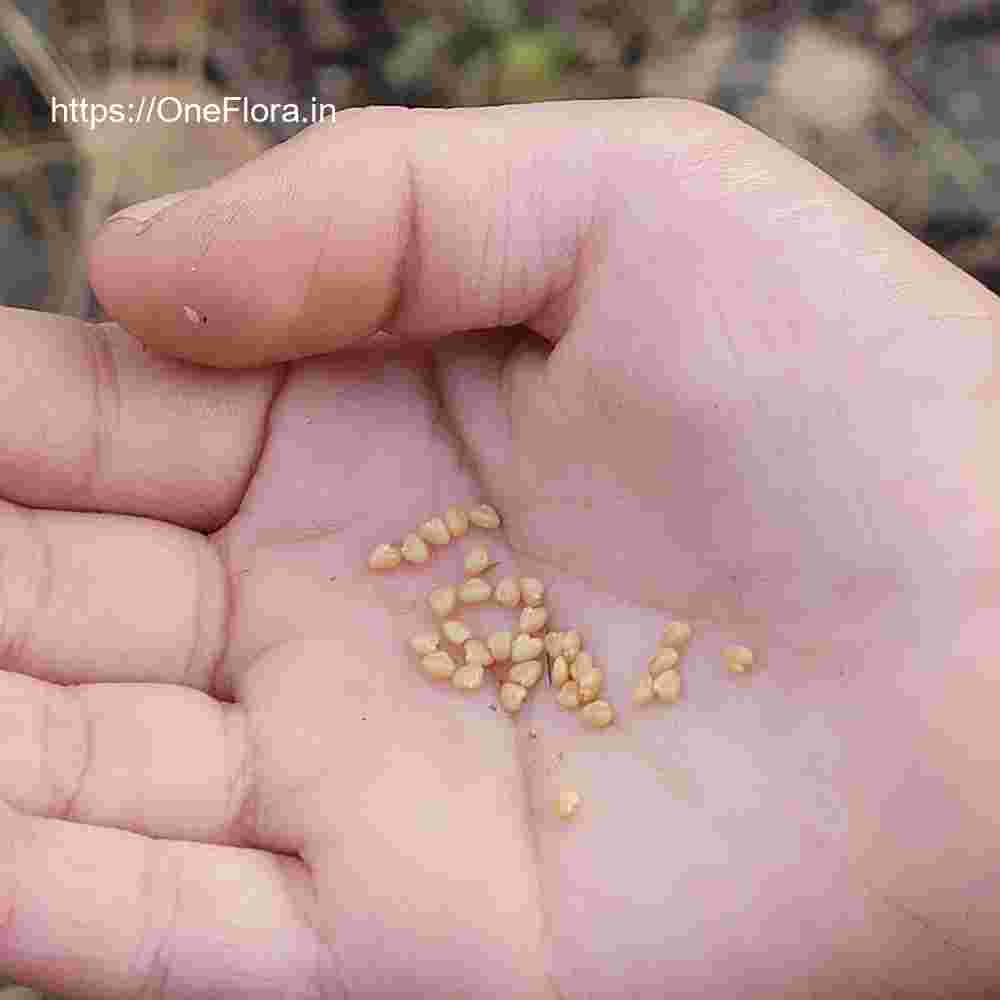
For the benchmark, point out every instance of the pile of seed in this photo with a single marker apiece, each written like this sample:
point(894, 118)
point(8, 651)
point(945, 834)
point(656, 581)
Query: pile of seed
point(662, 679)
point(438, 531)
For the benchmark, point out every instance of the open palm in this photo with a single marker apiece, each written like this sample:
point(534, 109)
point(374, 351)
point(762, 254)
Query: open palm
point(248, 789)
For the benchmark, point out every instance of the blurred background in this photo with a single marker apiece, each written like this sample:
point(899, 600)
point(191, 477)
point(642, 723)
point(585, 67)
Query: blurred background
point(900, 101)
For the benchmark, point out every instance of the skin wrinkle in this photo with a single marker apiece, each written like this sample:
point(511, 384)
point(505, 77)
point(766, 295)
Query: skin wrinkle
point(407, 267)
point(106, 387)
point(20, 646)
point(153, 981)
point(68, 810)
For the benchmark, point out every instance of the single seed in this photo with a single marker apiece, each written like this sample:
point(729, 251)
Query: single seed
point(455, 631)
point(499, 644)
point(526, 673)
point(676, 634)
point(512, 696)
point(532, 591)
point(434, 531)
point(385, 557)
point(533, 619)
point(415, 549)
point(643, 693)
point(526, 647)
point(589, 682)
point(668, 686)
point(553, 644)
point(560, 671)
point(569, 695)
point(581, 663)
point(476, 651)
point(443, 600)
point(739, 659)
point(475, 591)
point(439, 665)
point(469, 677)
point(457, 521)
point(572, 644)
point(484, 516)
point(476, 560)
point(508, 592)
point(597, 714)
point(569, 802)
point(663, 659)
point(426, 642)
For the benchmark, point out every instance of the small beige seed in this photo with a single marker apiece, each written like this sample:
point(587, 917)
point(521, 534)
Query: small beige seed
point(532, 591)
point(643, 693)
point(572, 644)
point(508, 592)
point(439, 665)
point(476, 560)
point(426, 642)
point(533, 620)
point(739, 659)
point(553, 644)
point(499, 644)
point(526, 647)
point(512, 696)
point(457, 521)
point(415, 549)
point(676, 634)
point(385, 557)
point(475, 591)
point(476, 651)
point(667, 686)
point(443, 600)
point(435, 531)
point(455, 631)
point(469, 677)
point(569, 802)
point(569, 695)
point(581, 663)
point(560, 671)
point(663, 659)
point(597, 714)
point(526, 673)
point(484, 516)
point(589, 682)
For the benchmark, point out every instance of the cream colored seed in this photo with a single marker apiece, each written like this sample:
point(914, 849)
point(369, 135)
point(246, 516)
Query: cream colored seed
point(499, 644)
point(560, 671)
point(569, 802)
point(589, 682)
point(569, 695)
point(508, 592)
point(512, 696)
point(572, 644)
point(469, 677)
point(532, 591)
point(443, 600)
point(455, 631)
point(457, 521)
point(439, 665)
point(663, 659)
point(476, 651)
point(739, 659)
point(475, 591)
point(415, 549)
point(668, 686)
point(643, 693)
point(484, 516)
point(581, 663)
point(526, 673)
point(553, 644)
point(676, 634)
point(597, 714)
point(476, 560)
point(426, 642)
point(435, 531)
point(526, 647)
point(533, 619)
point(385, 557)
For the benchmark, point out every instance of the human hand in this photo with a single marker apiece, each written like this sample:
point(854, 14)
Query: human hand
point(727, 391)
